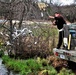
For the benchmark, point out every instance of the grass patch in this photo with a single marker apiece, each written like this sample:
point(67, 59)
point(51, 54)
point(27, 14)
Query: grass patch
point(2, 49)
point(29, 67)
point(45, 31)
point(33, 67)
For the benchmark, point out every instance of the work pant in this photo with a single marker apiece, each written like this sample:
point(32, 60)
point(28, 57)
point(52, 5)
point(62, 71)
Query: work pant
point(60, 40)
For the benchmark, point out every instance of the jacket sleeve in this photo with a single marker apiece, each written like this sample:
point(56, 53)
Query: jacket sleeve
point(63, 21)
point(56, 21)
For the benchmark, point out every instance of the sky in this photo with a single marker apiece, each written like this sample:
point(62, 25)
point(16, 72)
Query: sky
point(62, 2)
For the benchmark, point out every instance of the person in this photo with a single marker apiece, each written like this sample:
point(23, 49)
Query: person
point(59, 21)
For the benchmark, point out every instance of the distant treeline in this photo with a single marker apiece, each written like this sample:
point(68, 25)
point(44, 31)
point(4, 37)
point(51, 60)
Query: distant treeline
point(32, 10)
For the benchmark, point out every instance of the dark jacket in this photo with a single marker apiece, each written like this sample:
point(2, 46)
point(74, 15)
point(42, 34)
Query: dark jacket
point(59, 21)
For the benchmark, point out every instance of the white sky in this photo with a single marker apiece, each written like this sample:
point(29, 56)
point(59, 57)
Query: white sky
point(63, 2)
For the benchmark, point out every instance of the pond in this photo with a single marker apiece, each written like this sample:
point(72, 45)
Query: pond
point(4, 71)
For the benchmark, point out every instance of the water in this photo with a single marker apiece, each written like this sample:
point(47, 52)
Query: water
point(4, 71)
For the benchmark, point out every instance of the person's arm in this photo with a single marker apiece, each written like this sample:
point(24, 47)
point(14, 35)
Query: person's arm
point(54, 22)
point(63, 20)
point(51, 17)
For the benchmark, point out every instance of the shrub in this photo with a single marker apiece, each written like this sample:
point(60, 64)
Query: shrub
point(1, 53)
point(41, 44)
point(65, 72)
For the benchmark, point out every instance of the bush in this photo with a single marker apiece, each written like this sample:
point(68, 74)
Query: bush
point(1, 53)
point(65, 72)
point(40, 45)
